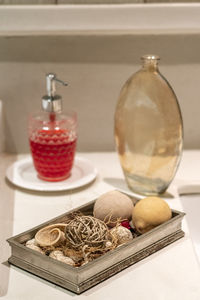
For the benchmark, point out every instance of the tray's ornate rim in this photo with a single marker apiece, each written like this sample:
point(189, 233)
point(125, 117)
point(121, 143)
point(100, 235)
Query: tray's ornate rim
point(82, 278)
point(106, 273)
point(12, 240)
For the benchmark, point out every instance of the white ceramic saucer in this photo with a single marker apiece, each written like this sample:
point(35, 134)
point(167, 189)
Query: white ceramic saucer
point(22, 173)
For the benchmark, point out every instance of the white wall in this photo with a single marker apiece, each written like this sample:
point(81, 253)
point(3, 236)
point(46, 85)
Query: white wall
point(95, 67)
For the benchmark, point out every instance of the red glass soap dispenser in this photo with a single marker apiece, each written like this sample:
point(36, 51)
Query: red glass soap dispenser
point(53, 136)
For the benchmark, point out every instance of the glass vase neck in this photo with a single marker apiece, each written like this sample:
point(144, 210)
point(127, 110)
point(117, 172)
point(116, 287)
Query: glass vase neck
point(150, 62)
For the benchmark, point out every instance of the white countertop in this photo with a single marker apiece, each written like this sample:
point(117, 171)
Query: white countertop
point(171, 273)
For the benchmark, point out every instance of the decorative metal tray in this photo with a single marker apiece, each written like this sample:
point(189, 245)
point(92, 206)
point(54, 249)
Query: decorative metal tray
point(79, 279)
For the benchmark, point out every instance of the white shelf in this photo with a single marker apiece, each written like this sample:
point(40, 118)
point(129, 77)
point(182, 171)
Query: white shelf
point(93, 19)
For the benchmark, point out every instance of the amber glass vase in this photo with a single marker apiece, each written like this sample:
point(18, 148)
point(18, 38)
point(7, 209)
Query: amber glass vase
point(148, 130)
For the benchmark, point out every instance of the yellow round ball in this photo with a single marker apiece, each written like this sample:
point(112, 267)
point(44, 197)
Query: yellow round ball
point(149, 213)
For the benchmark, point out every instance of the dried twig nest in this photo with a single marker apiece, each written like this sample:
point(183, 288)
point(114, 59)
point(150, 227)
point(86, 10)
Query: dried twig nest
point(80, 241)
point(86, 231)
point(52, 235)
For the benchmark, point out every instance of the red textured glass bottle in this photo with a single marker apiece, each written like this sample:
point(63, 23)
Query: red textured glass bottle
point(52, 137)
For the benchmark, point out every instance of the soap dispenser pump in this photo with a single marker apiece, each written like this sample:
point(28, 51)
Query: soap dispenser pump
point(51, 102)
point(53, 136)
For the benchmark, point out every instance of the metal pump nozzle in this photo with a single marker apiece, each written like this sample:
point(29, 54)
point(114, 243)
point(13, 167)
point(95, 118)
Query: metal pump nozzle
point(52, 102)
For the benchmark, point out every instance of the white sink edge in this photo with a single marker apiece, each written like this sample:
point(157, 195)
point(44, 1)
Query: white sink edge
point(191, 206)
point(20, 20)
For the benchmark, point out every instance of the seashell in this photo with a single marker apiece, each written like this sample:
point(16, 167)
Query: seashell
point(122, 234)
point(57, 254)
point(52, 235)
point(34, 246)
point(31, 242)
